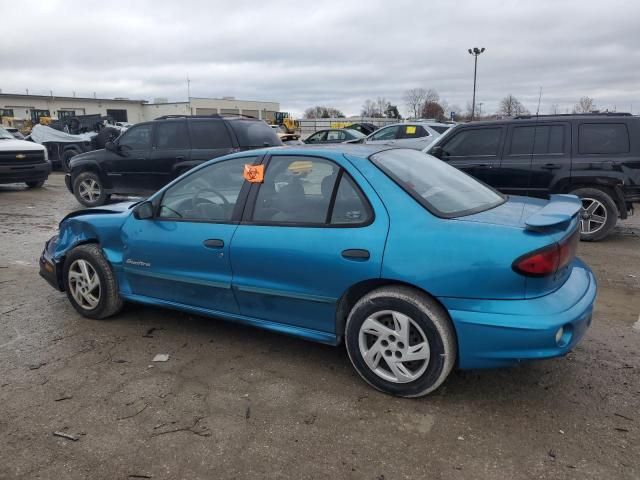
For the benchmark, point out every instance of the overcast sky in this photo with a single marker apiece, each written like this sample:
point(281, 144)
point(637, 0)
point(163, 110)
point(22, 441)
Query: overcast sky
point(323, 52)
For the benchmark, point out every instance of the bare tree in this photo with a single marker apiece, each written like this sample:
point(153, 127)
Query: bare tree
point(510, 106)
point(555, 109)
point(432, 96)
point(584, 105)
point(413, 99)
point(369, 108)
point(382, 106)
point(320, 111)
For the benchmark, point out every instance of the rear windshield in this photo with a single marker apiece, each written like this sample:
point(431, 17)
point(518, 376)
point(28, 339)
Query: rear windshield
point(254, 134)
point(442, 189)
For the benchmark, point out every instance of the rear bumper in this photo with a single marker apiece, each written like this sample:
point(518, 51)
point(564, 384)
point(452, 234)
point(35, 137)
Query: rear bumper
point(25, 173)
point(499, 333)
point(50, 269)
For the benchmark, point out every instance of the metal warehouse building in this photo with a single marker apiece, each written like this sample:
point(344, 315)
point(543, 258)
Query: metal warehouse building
point(32, 107)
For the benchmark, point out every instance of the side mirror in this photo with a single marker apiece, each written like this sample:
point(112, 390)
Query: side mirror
point(110, 146)
point(143, 211)
point(437, 151)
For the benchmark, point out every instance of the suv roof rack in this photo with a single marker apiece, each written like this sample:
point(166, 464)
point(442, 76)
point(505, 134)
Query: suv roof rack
point(213, 115)
point(591, 114)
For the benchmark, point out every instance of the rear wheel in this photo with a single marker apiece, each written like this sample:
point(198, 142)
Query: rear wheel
point(401, 341)
point(88, 190)
point(35, 184)
point(90, 284)
point(598, 215)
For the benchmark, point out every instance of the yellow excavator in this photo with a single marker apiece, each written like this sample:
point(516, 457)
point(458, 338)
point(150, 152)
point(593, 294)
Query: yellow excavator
point(286, 126)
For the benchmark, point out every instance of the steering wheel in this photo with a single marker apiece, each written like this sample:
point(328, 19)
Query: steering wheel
point(197, 201)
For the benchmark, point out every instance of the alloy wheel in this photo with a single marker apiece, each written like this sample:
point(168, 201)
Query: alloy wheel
point(89, 190)
point(84, 284)
point(593, 216)
point(394, 346)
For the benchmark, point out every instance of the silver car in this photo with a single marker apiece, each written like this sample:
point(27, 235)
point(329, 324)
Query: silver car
point(417, 135)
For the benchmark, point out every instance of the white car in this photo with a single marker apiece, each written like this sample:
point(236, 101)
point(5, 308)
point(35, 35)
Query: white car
point(22, 161)
point(417, 135)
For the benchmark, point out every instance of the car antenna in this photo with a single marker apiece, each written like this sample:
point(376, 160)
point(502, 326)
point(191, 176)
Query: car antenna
point(533, 145)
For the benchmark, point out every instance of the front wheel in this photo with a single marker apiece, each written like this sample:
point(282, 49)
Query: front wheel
point(401, 341)
point(88, 190)
point(598, 215)
point(90, 284)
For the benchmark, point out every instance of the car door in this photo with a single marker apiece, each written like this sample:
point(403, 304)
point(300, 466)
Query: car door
point(534, 155)
point(181, 255)
point(475, 150)
point(386, 135)
point(171, 148)
point(127, 168)
point(210, 138)
point(312, 229)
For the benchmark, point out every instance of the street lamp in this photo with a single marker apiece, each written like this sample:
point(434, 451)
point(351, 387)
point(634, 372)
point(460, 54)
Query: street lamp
point(475, 51)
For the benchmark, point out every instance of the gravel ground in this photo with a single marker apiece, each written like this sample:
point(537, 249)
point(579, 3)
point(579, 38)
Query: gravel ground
point(236, 402)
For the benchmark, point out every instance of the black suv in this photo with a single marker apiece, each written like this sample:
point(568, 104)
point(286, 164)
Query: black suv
point(594, 156)
point(149, 155)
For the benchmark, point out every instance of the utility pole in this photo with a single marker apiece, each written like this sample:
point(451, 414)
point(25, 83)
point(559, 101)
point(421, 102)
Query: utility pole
point(475, 51)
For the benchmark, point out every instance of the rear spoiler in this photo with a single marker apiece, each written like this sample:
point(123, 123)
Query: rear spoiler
point(560, 210)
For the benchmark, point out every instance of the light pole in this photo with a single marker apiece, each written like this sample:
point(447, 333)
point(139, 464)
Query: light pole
point(475, 51)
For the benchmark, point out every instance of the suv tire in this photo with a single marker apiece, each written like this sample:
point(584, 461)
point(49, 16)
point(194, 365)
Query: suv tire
point(90, 284)
point(599, 214)
point(67, 155)
point(88, 189)
point(391, 324)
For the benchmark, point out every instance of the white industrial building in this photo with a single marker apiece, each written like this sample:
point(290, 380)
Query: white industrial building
point(31, 107)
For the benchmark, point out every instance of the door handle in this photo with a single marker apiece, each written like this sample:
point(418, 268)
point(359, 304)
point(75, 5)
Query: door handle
point(356, 254)
point(551, 166)
point(180, 157)
point(213, 243)
point(484, 165)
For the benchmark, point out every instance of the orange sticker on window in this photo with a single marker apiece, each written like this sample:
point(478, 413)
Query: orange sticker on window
point(254, 173)
point(411, 130)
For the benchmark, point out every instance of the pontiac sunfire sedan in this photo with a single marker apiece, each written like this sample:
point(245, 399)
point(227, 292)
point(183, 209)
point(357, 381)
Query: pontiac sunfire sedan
point(415, 265)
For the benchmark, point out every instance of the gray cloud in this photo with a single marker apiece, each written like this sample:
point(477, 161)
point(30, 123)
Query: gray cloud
point(334, 53)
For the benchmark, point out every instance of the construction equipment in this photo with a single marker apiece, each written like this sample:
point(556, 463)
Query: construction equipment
point(288, 124)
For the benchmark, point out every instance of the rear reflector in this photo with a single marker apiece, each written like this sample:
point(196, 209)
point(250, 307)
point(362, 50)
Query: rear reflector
point(548, 260)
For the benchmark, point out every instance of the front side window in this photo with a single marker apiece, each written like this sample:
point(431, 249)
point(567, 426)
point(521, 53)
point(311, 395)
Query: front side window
point(603, 138)
point(137, 137)
point(549, 139)
point(171, 136)
point(317, 137)
point(210, 194)
point(299, 190)
point(440, 188)
point(388, 133)
point(474, 142)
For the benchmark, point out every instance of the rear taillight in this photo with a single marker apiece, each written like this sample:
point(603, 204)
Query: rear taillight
point(548, 260)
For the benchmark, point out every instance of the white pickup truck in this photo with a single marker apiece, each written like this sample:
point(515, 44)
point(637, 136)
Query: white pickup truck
point(22, 161)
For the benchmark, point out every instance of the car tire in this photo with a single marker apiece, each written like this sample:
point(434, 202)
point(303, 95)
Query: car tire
point(599, 214)
point(88, 189)
point(90, 283)
point(396, 322)
point(35, 184)
point(66, 158)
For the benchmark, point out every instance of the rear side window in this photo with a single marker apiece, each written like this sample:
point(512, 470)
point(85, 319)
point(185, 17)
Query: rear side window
point(603, 138)
point(474, 143)
point(209, 134)
point(413, 131)
point(171, 135)
point(336, 135)
point(254, 134)
point(442, 189)
point(349, 206)
point(439, 129)
point(549, 139)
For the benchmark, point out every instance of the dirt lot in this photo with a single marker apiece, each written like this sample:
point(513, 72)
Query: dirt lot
point(236, 402)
